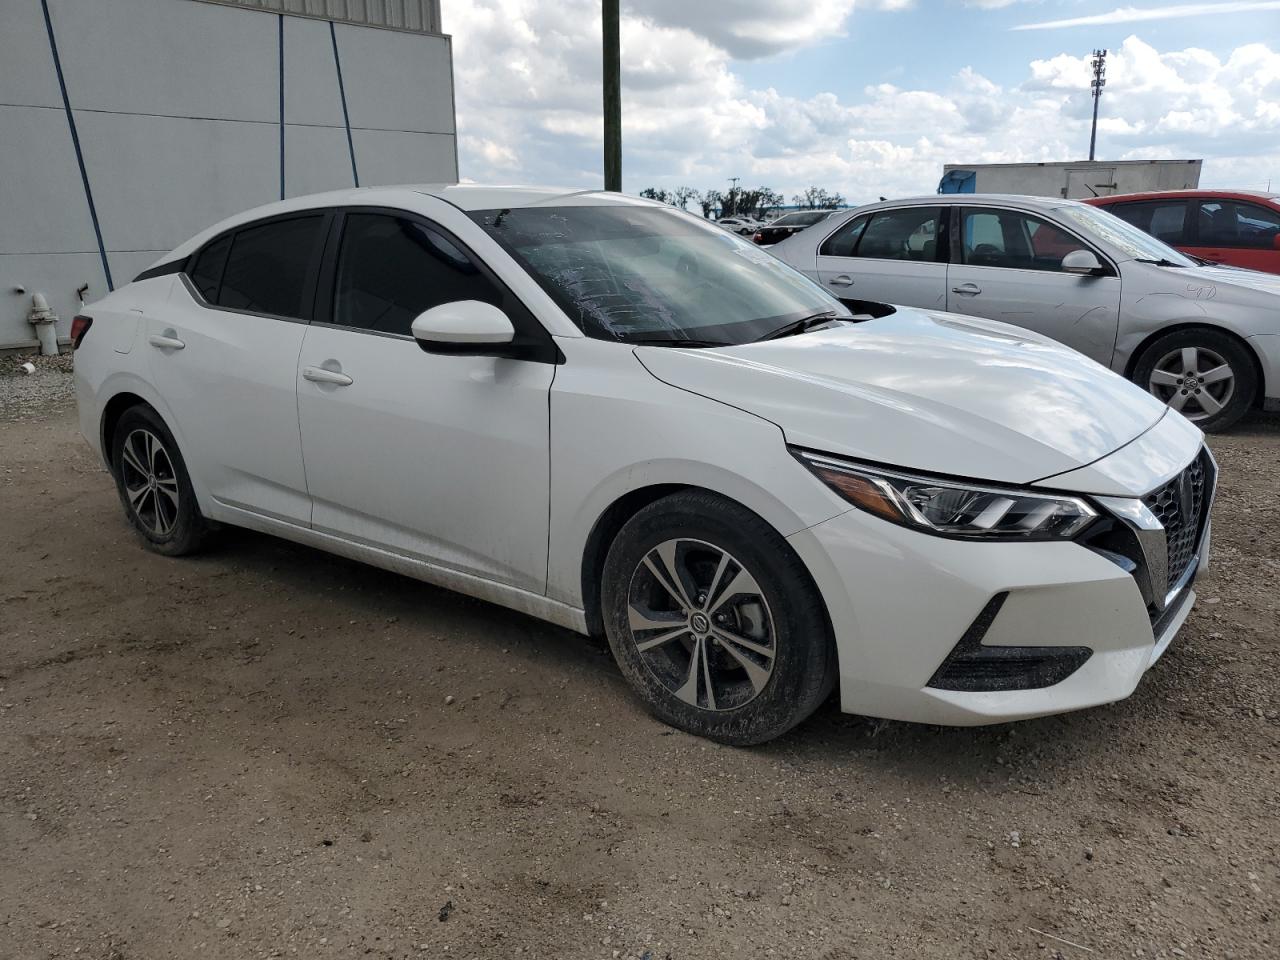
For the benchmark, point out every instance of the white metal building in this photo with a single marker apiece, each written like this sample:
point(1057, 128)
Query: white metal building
point(1076, 180)
point(126, 126)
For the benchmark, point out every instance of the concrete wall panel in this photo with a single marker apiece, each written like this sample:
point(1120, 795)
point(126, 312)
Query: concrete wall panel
point(310, 77)
point(42, 205)
point(391, 156)
point(161, 179)
point(29, 76)
point(396, 81)
point(316, 159)
point(171, 58)
point(56, 276)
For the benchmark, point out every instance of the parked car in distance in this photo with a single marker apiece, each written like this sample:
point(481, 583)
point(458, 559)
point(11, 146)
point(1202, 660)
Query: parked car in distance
point(1238, 228)
point(740, 225)
point(787, 225)
point(617, 417)
point(1205, 340)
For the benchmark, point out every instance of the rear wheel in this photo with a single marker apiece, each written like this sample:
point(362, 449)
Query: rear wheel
point(153, 484)
point(714, 620)
point(1206, 375)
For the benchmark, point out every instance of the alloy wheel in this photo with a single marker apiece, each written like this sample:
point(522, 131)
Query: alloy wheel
point(150, 482)
point(701, 624)
point(1195, 381)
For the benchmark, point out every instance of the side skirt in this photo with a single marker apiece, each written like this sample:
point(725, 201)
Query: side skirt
point(543, 608)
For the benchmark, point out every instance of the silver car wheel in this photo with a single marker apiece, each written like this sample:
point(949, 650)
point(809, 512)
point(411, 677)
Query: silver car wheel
point(1195, 381)
point(701, 624)
point(150, 482)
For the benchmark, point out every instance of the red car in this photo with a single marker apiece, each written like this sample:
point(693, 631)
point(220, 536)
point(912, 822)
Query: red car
point(1238, 228)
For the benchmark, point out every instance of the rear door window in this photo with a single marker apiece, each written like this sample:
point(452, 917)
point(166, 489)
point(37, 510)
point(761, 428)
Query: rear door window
point(269, 267)
point(844, 241)
point(909, 234)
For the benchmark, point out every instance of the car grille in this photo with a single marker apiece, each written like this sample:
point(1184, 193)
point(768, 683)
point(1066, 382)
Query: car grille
point(1181, 520)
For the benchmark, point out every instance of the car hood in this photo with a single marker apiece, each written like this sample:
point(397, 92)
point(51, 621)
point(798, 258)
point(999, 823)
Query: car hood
point(927, 391)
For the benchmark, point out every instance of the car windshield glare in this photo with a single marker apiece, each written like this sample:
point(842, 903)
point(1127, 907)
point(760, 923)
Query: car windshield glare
point(638, 274)
point(1121, 234)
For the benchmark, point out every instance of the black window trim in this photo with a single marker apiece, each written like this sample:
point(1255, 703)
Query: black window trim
point(940, 255)
point(957, 245)
point(1200, 201)
point(309, 280)
point(532, 341)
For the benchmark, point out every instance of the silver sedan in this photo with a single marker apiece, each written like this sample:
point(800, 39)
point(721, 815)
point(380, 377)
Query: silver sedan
point(1206, 340)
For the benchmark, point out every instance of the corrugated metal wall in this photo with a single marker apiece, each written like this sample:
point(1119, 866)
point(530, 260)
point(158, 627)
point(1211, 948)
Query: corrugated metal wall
point(418, 16)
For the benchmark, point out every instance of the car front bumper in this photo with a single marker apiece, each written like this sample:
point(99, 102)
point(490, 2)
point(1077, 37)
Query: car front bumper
point(901, 601)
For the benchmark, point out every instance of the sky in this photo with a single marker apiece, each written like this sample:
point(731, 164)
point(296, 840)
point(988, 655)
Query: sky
point(867, 98)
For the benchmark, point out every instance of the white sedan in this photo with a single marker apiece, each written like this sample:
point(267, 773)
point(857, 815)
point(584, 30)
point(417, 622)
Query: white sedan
point(619, 418)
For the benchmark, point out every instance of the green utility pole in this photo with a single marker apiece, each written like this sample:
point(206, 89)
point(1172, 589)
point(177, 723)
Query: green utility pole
point(612, 97)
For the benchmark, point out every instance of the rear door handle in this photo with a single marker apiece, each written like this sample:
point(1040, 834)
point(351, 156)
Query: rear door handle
point(967, 289)
point(165, 341)
point(844, 280)
point(321, 375)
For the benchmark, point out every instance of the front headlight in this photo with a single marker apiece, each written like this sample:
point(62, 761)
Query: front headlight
point(951, 508)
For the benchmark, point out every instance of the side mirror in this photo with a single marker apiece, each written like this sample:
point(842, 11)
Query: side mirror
point(466, 327)
point(1082, 262)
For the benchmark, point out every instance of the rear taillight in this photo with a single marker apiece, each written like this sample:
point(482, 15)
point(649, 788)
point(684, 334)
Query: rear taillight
point(79, 327)
point(758, 237)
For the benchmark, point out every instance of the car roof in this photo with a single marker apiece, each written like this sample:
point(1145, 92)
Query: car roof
point(974, 199)
point(1184, 194)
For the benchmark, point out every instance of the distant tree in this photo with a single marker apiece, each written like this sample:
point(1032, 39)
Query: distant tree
point(711, 201)
point(758, 202)
point(817, 198)
point(683, 196)
point(653, 193)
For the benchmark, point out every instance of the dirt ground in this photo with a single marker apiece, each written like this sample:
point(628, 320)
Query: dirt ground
point(267, 751)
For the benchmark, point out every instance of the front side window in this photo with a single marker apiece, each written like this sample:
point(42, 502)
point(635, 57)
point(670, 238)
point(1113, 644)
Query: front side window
point(1014, 240)
point(1227, 223)
point(390, 269)
point(268, 266)
point(908, 234)
point(637, 274)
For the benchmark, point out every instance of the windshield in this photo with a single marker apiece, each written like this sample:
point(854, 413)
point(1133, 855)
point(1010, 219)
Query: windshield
point(637, 274)
point(805, 219)
point(1122, 234)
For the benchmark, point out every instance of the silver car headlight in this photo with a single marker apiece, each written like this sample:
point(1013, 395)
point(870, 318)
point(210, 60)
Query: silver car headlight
point(951, 508)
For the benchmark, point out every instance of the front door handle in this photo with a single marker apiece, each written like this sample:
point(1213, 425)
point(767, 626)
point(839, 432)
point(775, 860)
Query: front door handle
point(967, 289)
point(844, 280)
point(321, 375)
point(165, 341)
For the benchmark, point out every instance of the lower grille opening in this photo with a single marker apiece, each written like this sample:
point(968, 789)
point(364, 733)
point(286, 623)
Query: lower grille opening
point(972, 667)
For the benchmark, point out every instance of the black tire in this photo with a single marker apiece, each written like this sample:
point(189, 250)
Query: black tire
point(785, 616)
point(1225, 402)
point(155, 488)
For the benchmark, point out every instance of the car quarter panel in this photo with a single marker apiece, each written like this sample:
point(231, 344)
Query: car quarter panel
point(615, 429)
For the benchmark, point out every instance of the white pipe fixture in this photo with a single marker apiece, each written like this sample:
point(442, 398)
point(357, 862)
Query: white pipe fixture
point(42, 317)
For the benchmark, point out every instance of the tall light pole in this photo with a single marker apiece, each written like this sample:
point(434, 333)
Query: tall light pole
point(1099, 81)
point(733, 197)
point(612, 97)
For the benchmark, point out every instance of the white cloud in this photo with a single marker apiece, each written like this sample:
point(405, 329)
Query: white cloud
point(528, 91)
point(1136, 14)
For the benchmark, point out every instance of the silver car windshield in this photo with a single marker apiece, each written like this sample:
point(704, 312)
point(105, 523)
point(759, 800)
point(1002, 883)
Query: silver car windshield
point(640, 274)
point(1122, 234)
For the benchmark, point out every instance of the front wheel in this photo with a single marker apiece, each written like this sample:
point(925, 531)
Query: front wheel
point(714, 620)
point(1206, 375)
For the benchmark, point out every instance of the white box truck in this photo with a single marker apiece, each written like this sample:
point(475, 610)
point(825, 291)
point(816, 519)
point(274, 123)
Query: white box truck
point(1074, 180)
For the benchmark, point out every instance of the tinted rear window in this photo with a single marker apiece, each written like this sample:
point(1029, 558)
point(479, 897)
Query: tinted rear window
point(267, 269)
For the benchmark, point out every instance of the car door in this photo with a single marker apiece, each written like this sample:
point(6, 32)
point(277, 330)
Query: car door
point(224, 356)
point(1007, 265)
point(896, 255)
point(442, 458)
point(1238, 234)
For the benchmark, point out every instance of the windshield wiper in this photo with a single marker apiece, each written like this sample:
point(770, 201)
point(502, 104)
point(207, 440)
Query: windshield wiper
point(1162, 262)
point(676, 342)
point(799, 326)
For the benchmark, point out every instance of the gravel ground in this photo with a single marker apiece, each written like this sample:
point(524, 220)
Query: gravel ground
point(266, 751)
point(24, 394)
